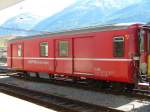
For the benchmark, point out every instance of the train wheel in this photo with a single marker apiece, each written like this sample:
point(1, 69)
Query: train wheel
point(37, 75)
point(51, 76)
point(26, 74)
point(118, 86)
point(130, 87)
point(20, 74)
point(75, 79)
point(95, 83)
point(105, 85)
point(99, 84)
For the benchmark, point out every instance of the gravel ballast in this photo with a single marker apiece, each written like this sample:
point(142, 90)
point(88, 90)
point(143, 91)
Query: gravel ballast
point(119, 102)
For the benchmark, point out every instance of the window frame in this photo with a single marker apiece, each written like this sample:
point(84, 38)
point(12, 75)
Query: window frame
point(141, 40)
point(45, 52)
point(115, 54)
point(19, 50)
point(60, 49)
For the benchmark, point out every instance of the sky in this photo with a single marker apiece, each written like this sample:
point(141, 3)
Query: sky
point(32, 16)
point(40, 8)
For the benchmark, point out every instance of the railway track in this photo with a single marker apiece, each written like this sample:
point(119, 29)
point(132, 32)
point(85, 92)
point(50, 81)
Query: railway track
point(138, 93)
point(55, 102)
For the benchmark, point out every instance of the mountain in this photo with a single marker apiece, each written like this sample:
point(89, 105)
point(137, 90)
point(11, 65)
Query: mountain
point(82, 13)
point(139, 12)
point(85, 13)
point(20, 24)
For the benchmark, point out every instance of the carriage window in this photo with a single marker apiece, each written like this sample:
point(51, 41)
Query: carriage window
point(19, 50)
point(44, 49)
point(118, 46)
point(141, 41)
point(63, 48)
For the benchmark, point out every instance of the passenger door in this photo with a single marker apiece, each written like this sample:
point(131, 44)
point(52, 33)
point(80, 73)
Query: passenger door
point(83, 55)
point(63, 56)
point(17, 56)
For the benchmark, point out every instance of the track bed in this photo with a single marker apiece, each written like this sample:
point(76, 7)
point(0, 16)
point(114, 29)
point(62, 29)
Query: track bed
point(118, 102)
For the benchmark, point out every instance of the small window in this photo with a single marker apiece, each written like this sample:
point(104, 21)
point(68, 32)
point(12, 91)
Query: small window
point(141, 40)
point(44, 49)
point(63, 48)
point(19, 50)
point(118, 46)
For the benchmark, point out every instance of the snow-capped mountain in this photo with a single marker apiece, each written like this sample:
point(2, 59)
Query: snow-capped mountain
point(80, 14)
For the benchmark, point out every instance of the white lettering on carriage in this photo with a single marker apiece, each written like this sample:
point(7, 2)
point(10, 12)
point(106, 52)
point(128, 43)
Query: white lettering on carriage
point(104, 73)
point(37, 62)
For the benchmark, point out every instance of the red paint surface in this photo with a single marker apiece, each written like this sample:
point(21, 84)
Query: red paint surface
point(92, 45)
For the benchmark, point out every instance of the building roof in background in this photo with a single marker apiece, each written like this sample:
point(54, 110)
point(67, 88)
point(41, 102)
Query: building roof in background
point(7, 3)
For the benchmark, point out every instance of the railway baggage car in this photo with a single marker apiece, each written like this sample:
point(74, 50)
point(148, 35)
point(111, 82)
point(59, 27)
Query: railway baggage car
point(112, 53)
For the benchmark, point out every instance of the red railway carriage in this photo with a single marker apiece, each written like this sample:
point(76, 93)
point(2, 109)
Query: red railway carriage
point(104, 53)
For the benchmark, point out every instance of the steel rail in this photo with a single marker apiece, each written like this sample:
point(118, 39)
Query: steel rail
point(55, 102)
point(138, 93)
point(135, 93)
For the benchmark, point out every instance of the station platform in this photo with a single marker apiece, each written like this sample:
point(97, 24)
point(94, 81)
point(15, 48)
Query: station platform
point(13, 104)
